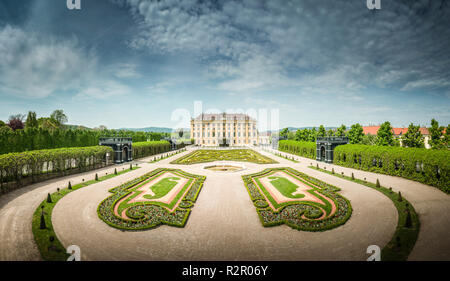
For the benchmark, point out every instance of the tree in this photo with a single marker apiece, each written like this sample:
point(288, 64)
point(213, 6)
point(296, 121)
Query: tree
point(322, 131)
point(413, 137)
point(447, 136)
point(59, 116)
point(341, 131)
point(31, 121)
point(330, 133)
point(15, 122)
point(385, 136)
point(436, 134)
point(284, 133)
point(313, 135)
point(355, 134)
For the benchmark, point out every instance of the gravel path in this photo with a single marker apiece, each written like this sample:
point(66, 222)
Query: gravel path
point(224, 224)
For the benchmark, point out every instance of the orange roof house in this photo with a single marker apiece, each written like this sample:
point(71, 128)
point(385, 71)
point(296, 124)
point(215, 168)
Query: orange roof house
point(373, 130)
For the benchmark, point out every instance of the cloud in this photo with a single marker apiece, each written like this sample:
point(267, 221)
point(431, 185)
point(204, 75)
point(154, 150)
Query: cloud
point(257, 45)
point(37, 66)
point(126, 70)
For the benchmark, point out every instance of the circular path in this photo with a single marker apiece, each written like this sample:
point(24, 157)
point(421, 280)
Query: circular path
point(224, 224)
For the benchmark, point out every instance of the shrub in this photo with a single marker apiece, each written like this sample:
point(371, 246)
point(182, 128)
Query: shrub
point(428, 166)
point(96, 177)
point(353, 176)
point(131, 166)
point(378, 184)
point(69, 186)
point(400, 197)
point(332, 171)
point(301, 148)
point(49, 198)
point(147, 148)
point(115, 171)
point(42, 226)
point(408, 222)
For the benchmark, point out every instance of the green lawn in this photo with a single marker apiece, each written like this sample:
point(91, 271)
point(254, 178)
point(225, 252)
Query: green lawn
point(162, 187)
point(210, 155)
point(285, 187)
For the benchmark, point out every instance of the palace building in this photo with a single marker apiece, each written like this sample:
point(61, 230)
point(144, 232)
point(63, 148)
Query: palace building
point(224, 130)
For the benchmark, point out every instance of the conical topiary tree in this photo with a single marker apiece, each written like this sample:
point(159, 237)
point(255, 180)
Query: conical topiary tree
point(69, 186)
point(115, 171)
point(317, 165)
point(399, 197)
point(96, 177)
point(49, 198)
point(131, 166)
point(42, 226)
point(408, 221)
point(353, 176)
point(378, 183)
point(332, 171)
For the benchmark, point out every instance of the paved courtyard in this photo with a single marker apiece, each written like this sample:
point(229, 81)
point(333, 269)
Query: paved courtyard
point(223, 224)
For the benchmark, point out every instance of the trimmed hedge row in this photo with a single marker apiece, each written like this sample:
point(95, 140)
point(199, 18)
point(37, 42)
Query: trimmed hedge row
point(301, 148)
point(423, 165)
point(19, 169)
point(146, 148)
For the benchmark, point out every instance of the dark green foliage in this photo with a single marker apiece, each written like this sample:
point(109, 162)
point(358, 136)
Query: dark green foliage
point(115, 171)
point(96, 177)
point(408, 221)
point(400, 197)
point(378, 183)
point(143, 149)
point(131, 166)
point(49, 198)
point(355, 135)
point(42, 226)
point(69, 185)
point(322, 132)
point(428, 166)
point(436, 133)
point(413, 137)
point(385, 136)
point(301, 148)
point(353, 177)
point(332, 171)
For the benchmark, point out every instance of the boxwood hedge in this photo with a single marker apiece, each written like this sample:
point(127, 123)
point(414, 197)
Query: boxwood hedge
point(301, 148)
point(423, 165)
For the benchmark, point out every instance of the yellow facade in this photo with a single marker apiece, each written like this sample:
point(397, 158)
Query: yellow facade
point(224, 129)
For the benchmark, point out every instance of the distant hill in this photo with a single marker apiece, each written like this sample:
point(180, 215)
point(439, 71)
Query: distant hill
point(74, 127)
point(152, 129)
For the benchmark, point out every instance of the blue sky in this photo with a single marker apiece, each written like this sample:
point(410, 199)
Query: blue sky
point(133, 63)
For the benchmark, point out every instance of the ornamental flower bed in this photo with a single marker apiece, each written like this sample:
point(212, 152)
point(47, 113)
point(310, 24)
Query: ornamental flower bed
point(149, 214)
point(300, 215)
point(242, 155)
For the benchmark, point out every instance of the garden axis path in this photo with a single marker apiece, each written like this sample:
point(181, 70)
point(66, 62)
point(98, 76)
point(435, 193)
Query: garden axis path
point(224, 224)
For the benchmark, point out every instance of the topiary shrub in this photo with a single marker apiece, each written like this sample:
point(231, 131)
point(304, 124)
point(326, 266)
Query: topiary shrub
point(353, 176)
point(49, 198)
point(69, 186)
point(332, 171)
point(96, 177)
point(378, 183)
point(115, 171)
point(408, 221)
point(131, 166)
point(42, 226)
point(400, 197)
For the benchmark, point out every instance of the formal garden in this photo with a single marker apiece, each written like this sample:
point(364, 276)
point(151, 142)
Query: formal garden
point(162, 196)
point(287, 196)
point(211, 155)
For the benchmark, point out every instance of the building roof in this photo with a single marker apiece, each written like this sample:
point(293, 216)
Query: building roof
point(373, 130)
point(221, 116)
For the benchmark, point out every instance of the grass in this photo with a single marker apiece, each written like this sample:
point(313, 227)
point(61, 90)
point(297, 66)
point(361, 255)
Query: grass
point(162, 187)
point(407, 235)
point(54, 251)
point(284, 156)
point(209, 155)
point(285, 187)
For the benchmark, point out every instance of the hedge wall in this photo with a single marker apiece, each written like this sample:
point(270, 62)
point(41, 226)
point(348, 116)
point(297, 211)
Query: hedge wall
point(146, 148)
point(424, 165)
point(301, 148)
point(22, 168)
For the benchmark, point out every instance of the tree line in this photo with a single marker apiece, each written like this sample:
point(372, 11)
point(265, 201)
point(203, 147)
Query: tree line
point(17, 135)
point(439, 135)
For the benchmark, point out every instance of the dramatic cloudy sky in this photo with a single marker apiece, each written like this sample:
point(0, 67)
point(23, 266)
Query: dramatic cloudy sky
point(133, 63)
